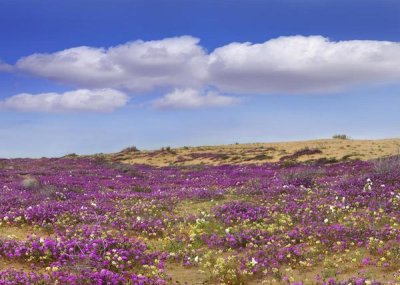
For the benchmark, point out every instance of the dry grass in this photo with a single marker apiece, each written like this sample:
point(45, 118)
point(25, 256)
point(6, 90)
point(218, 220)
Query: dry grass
point(20, 233)
point(346, 271)
point(188, 275)
point(11, 264)
point(333, 149)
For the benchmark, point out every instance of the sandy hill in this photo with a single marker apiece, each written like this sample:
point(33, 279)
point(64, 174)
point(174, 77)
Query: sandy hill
point(325, 149)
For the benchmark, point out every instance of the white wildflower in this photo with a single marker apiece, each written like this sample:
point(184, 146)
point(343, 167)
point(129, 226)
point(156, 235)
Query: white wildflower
point(368, 185)
point(253, 262)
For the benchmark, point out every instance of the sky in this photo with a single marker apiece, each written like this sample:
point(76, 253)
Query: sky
point(94, 76)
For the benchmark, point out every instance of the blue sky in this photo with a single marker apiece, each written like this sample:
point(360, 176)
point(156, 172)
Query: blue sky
point(75, 78)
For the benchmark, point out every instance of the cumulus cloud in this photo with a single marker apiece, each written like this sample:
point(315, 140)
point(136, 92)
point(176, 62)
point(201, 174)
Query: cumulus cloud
point(192, 99)
point(100, 100)
point(292, 65)
point(303, 64)
point(5, 67)
point(135, 66)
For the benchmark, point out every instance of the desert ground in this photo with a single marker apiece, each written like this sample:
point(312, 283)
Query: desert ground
point(258, 153)
point(308, 212)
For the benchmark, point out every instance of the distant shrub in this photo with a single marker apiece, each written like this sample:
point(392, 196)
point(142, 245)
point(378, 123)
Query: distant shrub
point(341, 137)
point(3, 163)
point(127, 169)
point(301, 176)
point(30, 183)
point(141, 189)
point(388, 165)
point(301, 152)
point(223, 156)
point(262, 157)
point(130, 149)
point(321, 161)
point(100, 158)
point(168, 149)
point(71, 155)
point(348, 156)
point(288, 163)
point(325, 160)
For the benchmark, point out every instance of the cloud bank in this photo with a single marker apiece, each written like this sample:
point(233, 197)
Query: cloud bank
point(100, 100)
point(183, 69)
point(192, 99)
point(286, 64)
point(135, 66)
point(302, 64)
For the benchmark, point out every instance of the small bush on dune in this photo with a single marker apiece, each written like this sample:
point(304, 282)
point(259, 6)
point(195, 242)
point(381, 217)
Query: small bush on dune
point(387, 165)
point(262, 157)
point(325, 160)
point(301, 176)
point(141, 189)
point(222, 156)
point(301, 152)
point(288, 163)
point(100, 158)
point(30, 183)
point(341, 137)
point(168, 149)
point(71, 155)
point(130, 149)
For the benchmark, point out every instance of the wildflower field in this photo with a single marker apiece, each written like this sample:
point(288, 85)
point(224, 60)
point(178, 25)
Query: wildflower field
point(92, 221)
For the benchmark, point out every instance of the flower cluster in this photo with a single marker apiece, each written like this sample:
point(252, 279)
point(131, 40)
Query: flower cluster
point(88, 221)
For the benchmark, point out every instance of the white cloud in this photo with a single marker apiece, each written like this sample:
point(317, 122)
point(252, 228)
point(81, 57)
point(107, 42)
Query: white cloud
point(192, 99)
point(5, 67)
point(100, 100)
point(292, 65)
point(303, 64)
point(135, 66)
